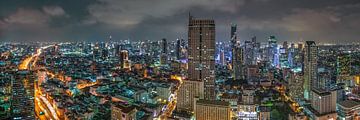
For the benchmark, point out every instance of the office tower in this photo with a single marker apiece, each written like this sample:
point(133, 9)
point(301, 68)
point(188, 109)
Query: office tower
point(284, 55)
point(124, 59)
point(323, 104)
point(201, 52)
point(120, 111)
point(310, 67)
point(104, 54)
point(117, 50)
point(212, 110)
point(163, 55)
point(178, 49)
point(96, 52)
point(238, 64)
point(188, 91)
point(222, 58)
point(256, 51)
point(237, 55)
point(248, 53)
point(273, 52)
point(233, 40)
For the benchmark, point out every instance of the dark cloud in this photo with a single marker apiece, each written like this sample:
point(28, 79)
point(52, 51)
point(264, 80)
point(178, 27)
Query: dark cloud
point(90, 20)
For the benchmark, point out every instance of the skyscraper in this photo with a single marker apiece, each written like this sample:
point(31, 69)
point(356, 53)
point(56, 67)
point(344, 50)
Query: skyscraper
point(178, 49)
point(201, 35)
point(237, 56)
point(273, 51)
point(163, 56)
point(310, 67)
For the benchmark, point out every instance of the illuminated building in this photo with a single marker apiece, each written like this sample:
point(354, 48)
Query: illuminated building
point(252, 74)
point(273, 51)
point(178, 49)
point(247, 109)
point(163, 55)
point(96, 52)
point(296, 82)
point(297, 116)
point(212, 110)
point(348, 110)
point(264, 112)
point(121, 111)
point(310, 67)
point(188, 91)
point(284, 56)
point(248, 53)
point(323, 105)
point(124, 58)
point(343, 68)
point(238, 64)
point(222, 58)
point(104, 54)
point(237, 54)
point(201, 43)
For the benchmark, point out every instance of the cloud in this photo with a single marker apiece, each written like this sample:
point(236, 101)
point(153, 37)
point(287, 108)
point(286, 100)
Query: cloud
point(132, 12)
point(310, 20)
point(54, 10)
point(27, 16)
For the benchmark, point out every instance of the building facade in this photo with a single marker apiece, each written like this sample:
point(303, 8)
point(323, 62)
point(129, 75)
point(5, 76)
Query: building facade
point(310, 67)
point(212, 110)
point(188, 91)
point(201, 35)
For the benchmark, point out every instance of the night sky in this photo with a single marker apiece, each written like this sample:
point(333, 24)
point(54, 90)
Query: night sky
point(324, 21)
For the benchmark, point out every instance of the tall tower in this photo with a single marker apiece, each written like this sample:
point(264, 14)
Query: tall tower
point(237, 55)
point(178, 49)
point(310, 67)
point(201, 35)
point(273, 52)
point(163, 56)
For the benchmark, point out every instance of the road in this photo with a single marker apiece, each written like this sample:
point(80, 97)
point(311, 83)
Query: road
point(41, 103)
point(170, 107)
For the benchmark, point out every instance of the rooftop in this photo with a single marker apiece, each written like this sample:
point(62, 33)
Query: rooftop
point(349, 103)
point(212, 102)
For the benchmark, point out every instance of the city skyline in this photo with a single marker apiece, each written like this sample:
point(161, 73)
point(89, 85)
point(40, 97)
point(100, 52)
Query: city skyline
point(279, 60)
point(322, 21)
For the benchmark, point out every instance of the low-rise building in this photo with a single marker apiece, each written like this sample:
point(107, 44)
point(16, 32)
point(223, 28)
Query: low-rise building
point(348, 110)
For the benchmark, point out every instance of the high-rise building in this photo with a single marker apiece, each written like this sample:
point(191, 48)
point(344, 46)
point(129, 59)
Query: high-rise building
point(201, 52)
point(178, 49)
point(222, 58)
point(124, 59)
point(188, 91)
point(310, 67)
point(237, 55)
point(163, 55)
point(212, 110)
point(323, 105)
point(273, 51)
